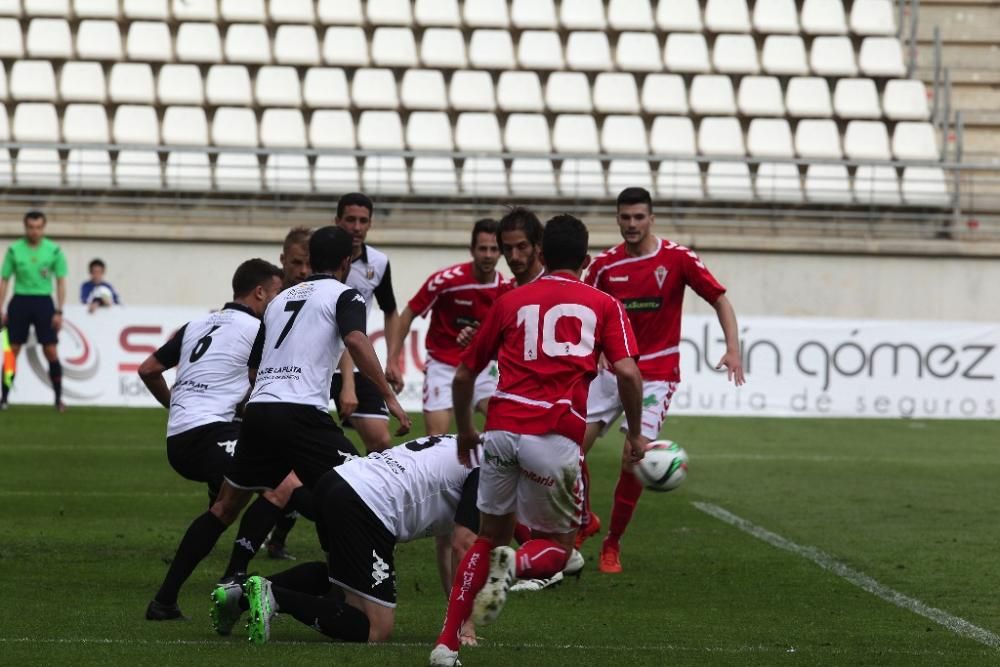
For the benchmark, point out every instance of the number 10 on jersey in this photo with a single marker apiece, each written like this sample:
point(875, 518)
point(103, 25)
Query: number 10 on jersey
point(529, 316)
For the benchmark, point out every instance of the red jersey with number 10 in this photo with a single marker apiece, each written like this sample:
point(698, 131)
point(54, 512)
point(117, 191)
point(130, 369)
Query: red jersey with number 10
point(652, 289)
point(457, 301)
point(547, 336)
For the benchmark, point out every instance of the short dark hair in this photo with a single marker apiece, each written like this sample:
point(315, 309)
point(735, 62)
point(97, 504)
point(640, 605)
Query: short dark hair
point(522, 219)
point(630, 196)
point(252, 273)
point(484, 226)
point(95, 262)
point(296, 236)
point(35, 214)
point(564, 243)
point(354, 199)
point(328, 247)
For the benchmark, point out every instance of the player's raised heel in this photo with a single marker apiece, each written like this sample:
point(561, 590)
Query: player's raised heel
point(491, 599)
point(225, 610)
point(262, 609)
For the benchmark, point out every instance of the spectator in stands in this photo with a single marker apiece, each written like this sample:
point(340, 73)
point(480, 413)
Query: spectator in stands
point(97, 292)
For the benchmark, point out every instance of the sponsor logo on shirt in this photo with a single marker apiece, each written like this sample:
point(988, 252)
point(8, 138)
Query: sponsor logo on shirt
point(463, 322)
point(643, 303)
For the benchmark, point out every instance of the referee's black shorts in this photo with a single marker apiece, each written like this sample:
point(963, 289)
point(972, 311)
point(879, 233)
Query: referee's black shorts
point(26, 311)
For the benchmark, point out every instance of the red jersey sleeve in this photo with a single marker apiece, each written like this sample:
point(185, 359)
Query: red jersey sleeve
point(700, 279)
point(617, 338)
point(424, 299)
point(486, 344)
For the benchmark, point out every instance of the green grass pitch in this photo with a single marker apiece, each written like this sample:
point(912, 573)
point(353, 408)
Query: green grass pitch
point(91, 510)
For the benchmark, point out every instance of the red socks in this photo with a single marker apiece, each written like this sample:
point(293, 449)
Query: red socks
point(540, 559)
point(627, 494)
point(469, 580)
point(522, 533)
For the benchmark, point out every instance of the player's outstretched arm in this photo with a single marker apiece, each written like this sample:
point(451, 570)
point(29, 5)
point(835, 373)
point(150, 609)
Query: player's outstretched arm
point(363, 354)
point(151, 374)
point(732, 359)
point(394, 342)
point(630, 391)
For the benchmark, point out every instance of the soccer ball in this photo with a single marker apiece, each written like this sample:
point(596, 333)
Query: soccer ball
point(664, 467)
point(102, 295)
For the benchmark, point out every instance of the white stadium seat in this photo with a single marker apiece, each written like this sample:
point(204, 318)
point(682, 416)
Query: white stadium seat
point(85, 124)
point(784, 55)
point(582, 178)
point(185, 126)
point(336, 173)
point(180, 84)
point(46, 8)
point(624, 134)
point(679, 179)
point(188, 170)
point(881, 56)
point(88, 168)
point(195, 10)
point(6, 167)
point(437, 13)
point(771, 16)
point(568, 91)
point(638, 52)
point(477, 132)
point(533, 14)
point(135, 124)
point(98, 9)
point(283, 128)
point(374, 89)
point(727, 16)
point(874, 184)
point(99, 40)
point(81, 81)
point(345, 46)
point(629, 173)
point(583, 15)
point(630, 14)
point(828, 183)
point(664, 94)
point(735, 54)
point(331, 128)
point(278, 86)
point(394, 47)
point(3, 85)
point(491, 49)
point(678, 16)
point(532, 177)
point(326, 87)
point(443, 48)
point(818, 138)
point(925, 186)
point(484, 177)
point(199, 42)
point(519, 91)
point(237, 171)
point(423, 89)
point(146, 9)
point(905, 99)
point(760, 96)
point(291, 11)
point(686, 52)
point(720, 136)
point(38, 167)
point(672, 135)
point(856, 98)
point(915, 141)
point(248, 43)
point(11, 40)
point(35, 122)
point(236, 11)
point(575, 133)
point(346, 12)
point(728, 181)
point(138, 170)
point(770, 137)
point(472, 91)
point(540, 50)
point(296, 45)
point(808, 97)
point(131, 83)
point(49, 38)
point(285, 172)
point(233, 126)
point(486, 13)
point(386, 12)
point(616, 92)
point(866, 140)
point(527, 133)
point(873, 17)
point(778, 181)
point(150, 41)
point(823, 17)
point(380, 130)
point(32, 80)
point(712, 94)
point(433, 176)
point(384, 175)
point(429, 131)
point(4, 124)
point(833, 56)
point(228, 84)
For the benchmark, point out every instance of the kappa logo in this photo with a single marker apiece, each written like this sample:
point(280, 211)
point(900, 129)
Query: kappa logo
point(347, 456)
point(245, 543)
point(358, 298)
point(443, 277)
point(380, 569)
point(228, 445)
point(661, 275)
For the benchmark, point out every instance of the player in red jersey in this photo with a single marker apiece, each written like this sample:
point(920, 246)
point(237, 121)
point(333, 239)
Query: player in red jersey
point(547, 337)
point(649, 276)
point(457, 297)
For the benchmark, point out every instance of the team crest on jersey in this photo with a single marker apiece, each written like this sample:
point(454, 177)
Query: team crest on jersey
point(661, 275)
point(371, 273)
point(380, 569)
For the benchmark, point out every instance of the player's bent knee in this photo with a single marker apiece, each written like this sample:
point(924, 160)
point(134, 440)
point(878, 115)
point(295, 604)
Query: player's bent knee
point(381, 625)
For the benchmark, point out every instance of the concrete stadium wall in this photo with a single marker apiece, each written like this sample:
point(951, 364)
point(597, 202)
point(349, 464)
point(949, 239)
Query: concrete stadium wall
point(845, 286)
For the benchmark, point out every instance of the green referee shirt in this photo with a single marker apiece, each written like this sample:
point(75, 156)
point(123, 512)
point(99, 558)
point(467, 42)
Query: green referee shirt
point(34, 267)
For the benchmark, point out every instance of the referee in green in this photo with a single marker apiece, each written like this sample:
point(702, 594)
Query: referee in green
point(34, 261)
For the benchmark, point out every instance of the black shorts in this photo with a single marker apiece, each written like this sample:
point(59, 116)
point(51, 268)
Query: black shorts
point(278, 438)
point(360, 548)
point(371, 405)
point(26, 311)
point(203, 453)
point(467, 513)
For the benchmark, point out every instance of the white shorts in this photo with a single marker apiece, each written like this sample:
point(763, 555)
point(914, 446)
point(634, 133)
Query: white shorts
point(605, 406)
point(438, 377)
point(536, 476)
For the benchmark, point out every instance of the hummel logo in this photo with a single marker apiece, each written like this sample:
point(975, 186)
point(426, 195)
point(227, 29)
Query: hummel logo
point(618, 279)
point(380, 569)
point(228, 445)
